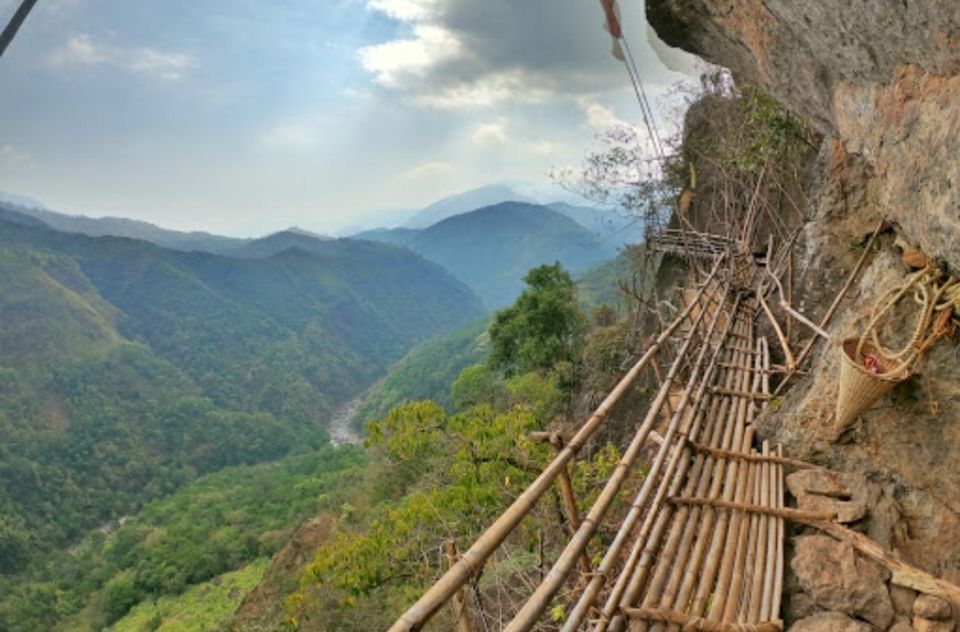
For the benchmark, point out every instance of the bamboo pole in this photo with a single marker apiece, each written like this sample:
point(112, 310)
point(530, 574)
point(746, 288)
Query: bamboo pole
point(669, 480)
point(738, 519)
point(834, 305)
point(688, 622)
point(683, 582)
point(667, 577)
point(733, 471)
point(663, 520)
point(787, 353)
point(491, 539)
point(759, 575)
point(460, 598)
point(750, 567)
point(566, 487)
point(538, 602)
point(781, 534)
point(732, 604)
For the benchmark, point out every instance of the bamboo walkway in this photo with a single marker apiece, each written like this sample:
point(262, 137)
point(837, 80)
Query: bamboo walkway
point(700, 546)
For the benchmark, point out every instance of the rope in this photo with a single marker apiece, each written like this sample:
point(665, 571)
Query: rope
point(939, 302)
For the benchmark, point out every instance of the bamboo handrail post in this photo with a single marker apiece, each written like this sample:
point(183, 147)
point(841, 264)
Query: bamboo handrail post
point(458, 575)
point(460, 598)
point(787, 353)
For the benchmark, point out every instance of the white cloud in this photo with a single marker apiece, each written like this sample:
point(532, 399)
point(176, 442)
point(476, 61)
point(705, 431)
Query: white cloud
point(290, 136)
point(393, 62)
point(601, 118)
point(82, 50)
point(429, 169)
point(10, 156)
point(493, 132)
point(405, 9)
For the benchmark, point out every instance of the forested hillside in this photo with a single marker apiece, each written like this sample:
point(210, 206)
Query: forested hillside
point(491, 249)
point(127, 370)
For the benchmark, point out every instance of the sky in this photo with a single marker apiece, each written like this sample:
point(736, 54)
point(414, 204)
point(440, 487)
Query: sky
point(246, 116)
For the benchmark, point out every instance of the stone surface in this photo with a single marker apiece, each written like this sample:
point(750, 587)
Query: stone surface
point(902, 624)
point(930, 607)
point(839, 580)
point(829, 622)
point(902, 599)
point(817, 481)
point(929, 625)
point(845, 510)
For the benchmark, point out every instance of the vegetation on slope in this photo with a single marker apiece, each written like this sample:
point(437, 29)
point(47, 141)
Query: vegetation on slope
point(491, 249)
point(445, 475)
point(202, 608)
point(217, 524)
point(129, 370)
point(426, 372)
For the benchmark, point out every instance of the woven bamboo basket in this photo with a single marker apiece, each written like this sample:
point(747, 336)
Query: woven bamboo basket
point(859, 388)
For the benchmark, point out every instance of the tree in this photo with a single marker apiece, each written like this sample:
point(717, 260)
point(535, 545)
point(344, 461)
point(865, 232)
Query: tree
point(542, 328)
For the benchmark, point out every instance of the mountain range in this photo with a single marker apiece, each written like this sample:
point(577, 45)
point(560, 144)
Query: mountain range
point(126, 368)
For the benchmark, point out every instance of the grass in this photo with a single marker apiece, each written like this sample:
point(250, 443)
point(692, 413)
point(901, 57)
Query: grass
point(203, 608)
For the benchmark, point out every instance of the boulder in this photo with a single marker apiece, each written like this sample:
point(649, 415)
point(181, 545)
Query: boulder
point(902, 599)
point(821, 482)
point(930, 607)
point(847, 511)
point(929, 625)
point(829, 622)
point(839, 580)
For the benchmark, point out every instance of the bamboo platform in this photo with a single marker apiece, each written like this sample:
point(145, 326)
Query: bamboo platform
point(700, 546)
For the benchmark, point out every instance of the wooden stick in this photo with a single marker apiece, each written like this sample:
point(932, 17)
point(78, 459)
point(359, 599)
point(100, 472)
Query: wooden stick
point(697, 623)
point(787, 353)
point(460, 598)
point(836, 303)
point(794, 515)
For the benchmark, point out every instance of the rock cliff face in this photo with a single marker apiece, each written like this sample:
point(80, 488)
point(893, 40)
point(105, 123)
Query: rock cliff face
point(880, 76)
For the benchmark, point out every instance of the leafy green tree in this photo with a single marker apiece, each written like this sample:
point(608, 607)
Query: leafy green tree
point(545, 326)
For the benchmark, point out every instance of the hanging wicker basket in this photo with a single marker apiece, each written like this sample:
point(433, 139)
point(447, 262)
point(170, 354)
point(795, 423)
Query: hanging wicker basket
point(859, 387)
point(868, 370)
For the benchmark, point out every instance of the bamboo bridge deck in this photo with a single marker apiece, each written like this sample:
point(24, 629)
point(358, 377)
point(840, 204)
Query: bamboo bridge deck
point(701, 544)
point(699, 536)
